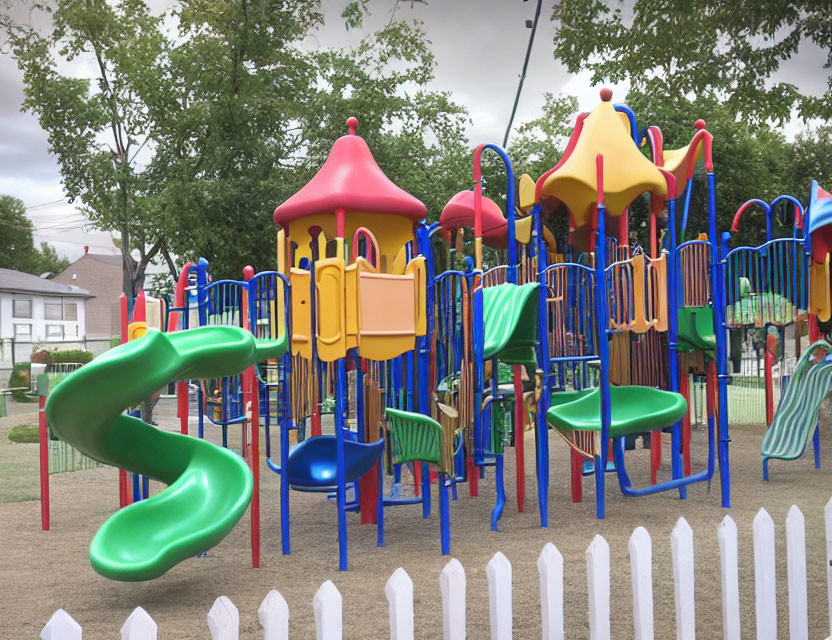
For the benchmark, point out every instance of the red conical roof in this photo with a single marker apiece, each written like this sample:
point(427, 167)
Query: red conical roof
point(460, 212)
point(350, 179)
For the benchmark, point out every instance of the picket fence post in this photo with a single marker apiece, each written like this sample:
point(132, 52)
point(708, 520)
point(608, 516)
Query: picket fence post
point(61, 626)
point(796, 556)
point(641, 570)
point(550, 568)
point(499, 596)
point(765, 580)
point(399, 591)
point(273, 615)
point(598, 582)
point(224, 620)
point(681, 544)
point(327, 606)
point(139, 626)
point(729, 570)
point(452, 585)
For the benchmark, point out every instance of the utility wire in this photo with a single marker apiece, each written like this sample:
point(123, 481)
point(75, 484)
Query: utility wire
point(523, 73)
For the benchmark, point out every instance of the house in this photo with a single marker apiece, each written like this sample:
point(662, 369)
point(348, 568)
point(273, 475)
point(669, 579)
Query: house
point(100, 275)
point(37, 311)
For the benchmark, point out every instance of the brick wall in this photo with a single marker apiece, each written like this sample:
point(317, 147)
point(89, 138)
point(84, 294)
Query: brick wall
point(101, 276)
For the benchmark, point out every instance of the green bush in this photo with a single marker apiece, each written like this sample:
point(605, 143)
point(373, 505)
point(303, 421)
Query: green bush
point(20, 378)
point(70, 355)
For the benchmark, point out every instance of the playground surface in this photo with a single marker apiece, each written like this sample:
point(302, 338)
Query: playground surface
point(40, 572)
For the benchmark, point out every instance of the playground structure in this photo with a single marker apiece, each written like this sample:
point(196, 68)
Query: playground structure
point(588, 336)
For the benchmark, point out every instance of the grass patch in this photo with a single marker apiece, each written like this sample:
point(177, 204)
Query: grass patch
point(24, 434)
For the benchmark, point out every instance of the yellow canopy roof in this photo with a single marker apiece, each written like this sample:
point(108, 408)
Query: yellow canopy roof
point(627, 172)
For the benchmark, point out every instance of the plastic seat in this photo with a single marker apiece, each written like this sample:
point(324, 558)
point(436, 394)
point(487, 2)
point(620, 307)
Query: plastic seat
point(634, 409)
point(313, 463)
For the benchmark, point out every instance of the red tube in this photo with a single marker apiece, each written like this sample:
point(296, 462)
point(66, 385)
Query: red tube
point(519, 432)
point(577, 464)
point(123, 494)
point(771, 350)
point(473, 473)
point(655, 455)
point(254, 422)
point(140, 308)
point(44, 464)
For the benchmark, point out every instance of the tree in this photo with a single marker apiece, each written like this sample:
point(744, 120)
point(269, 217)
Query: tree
point(17, 248)
point(539, 143)
point(122, 42)
point(244, 127)
point(672, 50)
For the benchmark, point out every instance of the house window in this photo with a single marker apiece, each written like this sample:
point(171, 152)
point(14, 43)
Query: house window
point(71, 330)
point(71, 311)
point(22, 308)
point(23, 332)
point(53, 310)
point(54, 332)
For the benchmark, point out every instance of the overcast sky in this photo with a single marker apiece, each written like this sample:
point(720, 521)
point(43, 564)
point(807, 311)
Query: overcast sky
point(479, 47)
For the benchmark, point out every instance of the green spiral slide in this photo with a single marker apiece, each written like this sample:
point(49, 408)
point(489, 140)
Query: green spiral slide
point(209, 487)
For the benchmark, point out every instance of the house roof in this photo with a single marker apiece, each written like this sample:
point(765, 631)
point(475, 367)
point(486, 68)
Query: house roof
point(351, 180)
point(19, 282)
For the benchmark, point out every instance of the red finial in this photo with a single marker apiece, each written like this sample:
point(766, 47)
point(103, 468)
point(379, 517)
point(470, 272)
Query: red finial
point(248, 272)
point(606, 94)
point(352, 124)
point(699, 124)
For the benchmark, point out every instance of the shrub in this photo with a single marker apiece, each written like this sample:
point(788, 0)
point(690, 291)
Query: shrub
point(71, 355)
point(20, 378)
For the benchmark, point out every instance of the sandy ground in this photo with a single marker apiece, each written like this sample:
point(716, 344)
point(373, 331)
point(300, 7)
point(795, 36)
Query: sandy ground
point(40, 572)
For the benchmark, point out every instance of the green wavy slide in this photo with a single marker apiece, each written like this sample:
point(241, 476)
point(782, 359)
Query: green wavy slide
point(510, 315)
point(797, 416)
point(209, 487)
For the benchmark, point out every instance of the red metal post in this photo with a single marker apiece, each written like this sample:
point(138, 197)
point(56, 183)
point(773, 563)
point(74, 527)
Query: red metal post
point(519, 432)
point(577, 465)
point(771, 350)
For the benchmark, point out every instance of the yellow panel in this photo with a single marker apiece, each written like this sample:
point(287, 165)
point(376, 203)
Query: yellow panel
point(388, 315)
point(352, 303)
point(281, 251)
point(525, 193)
point(331, 307)
point(819, 293)
point(391, 232)
point(659, 266)
point(417, 268)
point(300, 280)
point(639, 324)
point(523, 229)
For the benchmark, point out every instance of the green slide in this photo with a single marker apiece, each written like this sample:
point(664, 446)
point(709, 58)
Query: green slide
point(696, 329)
point(797, 416)
point(210, 487)
point(510, 316)
point(634, 410)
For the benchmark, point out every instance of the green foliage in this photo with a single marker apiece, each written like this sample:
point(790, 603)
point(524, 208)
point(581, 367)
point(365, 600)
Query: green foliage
point(538, 144)
point(17, 248)
point(24, 434)
point(19, 379)
point(123, 44)
point(70, 355)
point(672, 50)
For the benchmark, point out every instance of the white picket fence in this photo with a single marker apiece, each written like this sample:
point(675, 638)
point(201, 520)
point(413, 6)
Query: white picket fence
point(224, 618)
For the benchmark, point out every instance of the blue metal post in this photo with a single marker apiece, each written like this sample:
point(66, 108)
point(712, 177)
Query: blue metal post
point(601, 305)
point(719, 302)
point(676, 461)
point(340, 426)
point(542, 430)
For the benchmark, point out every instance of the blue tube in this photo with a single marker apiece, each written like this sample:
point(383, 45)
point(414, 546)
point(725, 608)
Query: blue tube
point(719, 302)
point(672, 331)
point(511, 274)
point(542, 428)
point(601, 306)
point(340, 427)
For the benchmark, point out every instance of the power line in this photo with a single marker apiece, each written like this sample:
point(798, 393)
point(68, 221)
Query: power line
point(45, 204)
point(523, 73)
